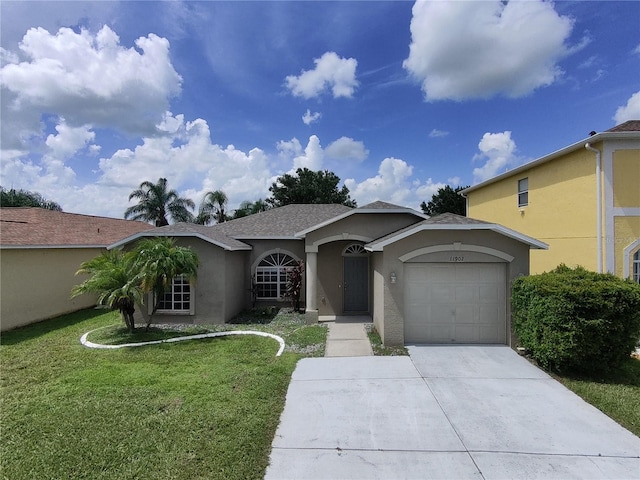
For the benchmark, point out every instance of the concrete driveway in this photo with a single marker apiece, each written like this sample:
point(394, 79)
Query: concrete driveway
point(456, 412)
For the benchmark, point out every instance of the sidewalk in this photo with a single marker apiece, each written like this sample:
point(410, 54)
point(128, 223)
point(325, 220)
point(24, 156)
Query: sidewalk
point(347, 340)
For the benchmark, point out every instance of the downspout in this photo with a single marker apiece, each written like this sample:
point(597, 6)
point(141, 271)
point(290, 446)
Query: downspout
point(598, 203)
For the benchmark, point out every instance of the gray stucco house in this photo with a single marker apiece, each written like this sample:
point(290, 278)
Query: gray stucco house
point(444, 279)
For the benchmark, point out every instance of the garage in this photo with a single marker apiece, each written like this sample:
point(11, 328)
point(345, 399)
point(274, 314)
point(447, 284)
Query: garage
point(455, 303)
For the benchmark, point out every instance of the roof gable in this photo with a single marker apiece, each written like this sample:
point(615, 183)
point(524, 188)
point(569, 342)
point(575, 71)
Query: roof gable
point(451, 221)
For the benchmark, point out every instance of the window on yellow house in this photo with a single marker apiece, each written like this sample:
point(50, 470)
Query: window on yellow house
point(636, 267)
point(523, 192)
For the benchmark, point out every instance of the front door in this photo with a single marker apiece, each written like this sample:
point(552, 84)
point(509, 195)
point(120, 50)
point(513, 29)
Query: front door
point(356, 284)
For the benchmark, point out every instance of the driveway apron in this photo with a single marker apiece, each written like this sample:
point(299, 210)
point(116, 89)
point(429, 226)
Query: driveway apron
point(444, 412)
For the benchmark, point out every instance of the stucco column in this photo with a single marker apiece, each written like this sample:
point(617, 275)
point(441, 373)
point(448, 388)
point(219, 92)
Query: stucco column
point(311, 280)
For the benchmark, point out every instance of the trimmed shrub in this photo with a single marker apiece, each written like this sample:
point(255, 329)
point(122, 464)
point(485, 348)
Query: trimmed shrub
point(576, 320)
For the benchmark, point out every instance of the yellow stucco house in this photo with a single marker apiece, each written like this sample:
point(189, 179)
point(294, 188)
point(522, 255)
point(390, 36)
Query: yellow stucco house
point(583, 201)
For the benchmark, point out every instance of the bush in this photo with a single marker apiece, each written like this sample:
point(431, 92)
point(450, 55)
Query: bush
point(576, 320)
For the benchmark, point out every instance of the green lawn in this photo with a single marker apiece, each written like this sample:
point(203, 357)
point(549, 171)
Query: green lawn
point(617, 394)
point(195, 409)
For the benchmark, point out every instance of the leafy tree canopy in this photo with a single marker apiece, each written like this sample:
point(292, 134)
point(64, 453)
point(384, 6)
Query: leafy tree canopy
point(25, 198)
point(447, 200)
point(307, 186)
point(213, 207)
point(156, 203)
point(249, 208)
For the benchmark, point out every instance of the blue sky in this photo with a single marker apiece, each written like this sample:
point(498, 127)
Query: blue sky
point(398, 99)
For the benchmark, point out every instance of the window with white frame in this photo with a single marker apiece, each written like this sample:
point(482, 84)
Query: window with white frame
point(523, 192)
point(271, 275)
point(636, 266)
point(178, 298)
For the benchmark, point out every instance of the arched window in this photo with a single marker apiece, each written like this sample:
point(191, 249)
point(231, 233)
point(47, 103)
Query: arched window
point(636, 266)
point(354, 250)
point(271, 275)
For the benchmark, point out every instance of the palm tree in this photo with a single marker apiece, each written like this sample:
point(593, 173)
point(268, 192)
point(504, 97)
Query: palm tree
point(249, 208)
point(156, 202)
point(158, 262)
point(122, 279)
point(213, 207)
point(112, 280)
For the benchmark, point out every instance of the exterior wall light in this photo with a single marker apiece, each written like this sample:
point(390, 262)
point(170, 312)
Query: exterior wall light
point(393, 277)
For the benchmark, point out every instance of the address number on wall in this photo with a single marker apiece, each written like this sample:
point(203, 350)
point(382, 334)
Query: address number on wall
point(456, 259)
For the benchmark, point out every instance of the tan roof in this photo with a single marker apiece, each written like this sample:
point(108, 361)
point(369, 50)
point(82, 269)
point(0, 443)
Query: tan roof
point(30, 226)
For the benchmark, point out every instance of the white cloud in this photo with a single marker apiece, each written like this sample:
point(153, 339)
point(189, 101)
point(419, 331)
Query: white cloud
point(308, 118)
point(187, 157)
point(498, 151)
point(87, 79)
point(391, 184)
point(637, 49)
point(346, 148)
point(630, 111)
point(465, 50)
point(435, 133)
point(311, 158)
point(332, 71)
point(69, 140)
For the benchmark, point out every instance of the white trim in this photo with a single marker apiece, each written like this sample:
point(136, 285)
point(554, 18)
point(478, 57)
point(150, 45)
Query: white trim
point(456, 246)
point(626, 211)
point(532, 242)
point(266, 237)
point(355, 211)
point(43, 247)
point(136, 236)
point(626, 256)
point(256, 264)
point(608, 225)
point(336, 238)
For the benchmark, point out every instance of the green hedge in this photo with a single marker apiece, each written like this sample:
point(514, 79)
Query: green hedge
point(576, 320)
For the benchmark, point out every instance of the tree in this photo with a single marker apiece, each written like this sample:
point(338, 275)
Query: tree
point(249, 208)
point(158, 262)
point(308, 186)
point(122, 279)
point(294, 285)
point(446, 200)
point(112, 278)
point(213, 207)
point(25, 198)
point(156, 202)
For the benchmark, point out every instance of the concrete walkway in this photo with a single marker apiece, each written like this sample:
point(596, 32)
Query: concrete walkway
point(347, 339)
point(446, 413)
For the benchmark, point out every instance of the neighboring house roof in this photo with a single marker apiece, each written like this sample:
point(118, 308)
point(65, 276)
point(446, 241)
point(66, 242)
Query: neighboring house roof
point(626, 130)
point(31, 227)
point(451, 221)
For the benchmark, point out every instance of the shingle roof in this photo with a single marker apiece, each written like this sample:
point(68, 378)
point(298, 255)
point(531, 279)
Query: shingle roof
point(280, 222)
point(380, 205)
point(452, 219)
point(628, 126)
point(30, 226)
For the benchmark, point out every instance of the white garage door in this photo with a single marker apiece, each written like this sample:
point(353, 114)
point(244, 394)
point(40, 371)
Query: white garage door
point(455, 303)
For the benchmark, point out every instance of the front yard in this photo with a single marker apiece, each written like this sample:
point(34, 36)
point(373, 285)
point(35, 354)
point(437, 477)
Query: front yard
point(195, 409)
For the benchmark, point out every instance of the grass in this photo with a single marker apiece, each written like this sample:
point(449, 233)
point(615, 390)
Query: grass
point(378, 347)
point(617, 394)
point(189, 410)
